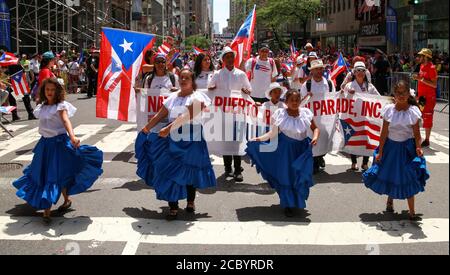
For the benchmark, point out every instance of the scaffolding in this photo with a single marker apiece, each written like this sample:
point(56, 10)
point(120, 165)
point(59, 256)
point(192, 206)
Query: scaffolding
point(41, 25)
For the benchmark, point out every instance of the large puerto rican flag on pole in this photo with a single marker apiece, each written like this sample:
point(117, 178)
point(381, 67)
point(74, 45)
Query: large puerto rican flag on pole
point(121, 57)
point(242, 43)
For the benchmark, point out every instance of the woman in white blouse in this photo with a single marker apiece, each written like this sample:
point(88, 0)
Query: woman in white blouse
point(203, 70)
point(360, 84)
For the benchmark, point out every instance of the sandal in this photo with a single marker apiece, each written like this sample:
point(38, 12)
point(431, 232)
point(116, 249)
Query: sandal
point(354, 168)
point(365, 167)
point(190, 208)
point(172, 215)
point(414, 218)
point(65, 207)
point(288, 212)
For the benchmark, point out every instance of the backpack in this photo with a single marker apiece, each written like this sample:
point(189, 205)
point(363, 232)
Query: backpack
point(254, 61)
point(309, 84)
point(171, 77)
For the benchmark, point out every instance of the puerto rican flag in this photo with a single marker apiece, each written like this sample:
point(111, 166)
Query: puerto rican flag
point(164, 48)
point(294, 52)
point(8, 59)
point(7, 109)
point(340, 66)
point(242, 43)
point(288, 65)
point(197, 51)
point(19, 84)
point(121, 57)
point(362, 134)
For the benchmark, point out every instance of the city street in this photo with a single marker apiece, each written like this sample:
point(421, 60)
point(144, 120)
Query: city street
point(121, 215)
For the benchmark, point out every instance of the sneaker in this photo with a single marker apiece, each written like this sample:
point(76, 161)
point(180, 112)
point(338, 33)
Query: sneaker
point(229, 172)
point(238, 177)
point(425, 143)
point(322, 162)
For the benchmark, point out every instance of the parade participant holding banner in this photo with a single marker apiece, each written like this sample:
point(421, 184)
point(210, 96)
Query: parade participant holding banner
point(288, 166)
point(399, 168)
point(160, 78)
point(427, 85)
point(230, 78)
point(176, 166)
point(261, 71)
point(359, 84)
point(60, 164)
point(350, 75)
point(317, 85)
point(203, 70)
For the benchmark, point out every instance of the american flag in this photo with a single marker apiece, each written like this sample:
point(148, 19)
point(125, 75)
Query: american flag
point(242, 43)
point(121, 57)
point(340, 66)
point(19, 84)
point(165, 48)
point(8, 59)
point(360, 134)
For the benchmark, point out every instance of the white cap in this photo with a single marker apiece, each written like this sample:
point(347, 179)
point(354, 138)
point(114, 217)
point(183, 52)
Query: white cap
point(227, 50)
point(309, 45)
point(359, 65)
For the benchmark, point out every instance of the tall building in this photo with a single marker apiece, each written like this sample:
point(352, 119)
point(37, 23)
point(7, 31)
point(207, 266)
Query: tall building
point(216, 28)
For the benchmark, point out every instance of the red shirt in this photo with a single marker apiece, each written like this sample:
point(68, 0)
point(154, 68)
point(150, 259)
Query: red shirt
point(428, 72)
point(44, 74)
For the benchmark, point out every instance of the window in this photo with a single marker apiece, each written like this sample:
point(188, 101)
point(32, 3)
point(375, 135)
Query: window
point(349, 4)
point(339, 6)
point(334, 6)
point(343, 5)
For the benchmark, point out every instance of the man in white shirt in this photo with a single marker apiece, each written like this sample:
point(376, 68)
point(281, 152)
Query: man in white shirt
point(231, 78)
point(262, 71)
point(318, 84)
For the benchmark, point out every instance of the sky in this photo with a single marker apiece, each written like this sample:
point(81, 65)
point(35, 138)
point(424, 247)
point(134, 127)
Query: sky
point(221, 12)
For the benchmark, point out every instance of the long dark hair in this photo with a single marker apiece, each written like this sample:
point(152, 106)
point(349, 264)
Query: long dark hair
point(194, 85)
point(44, 63)
point(148, 56)
point(402, 84)
point(60, 94)
point(290, 93)
point(198, 64)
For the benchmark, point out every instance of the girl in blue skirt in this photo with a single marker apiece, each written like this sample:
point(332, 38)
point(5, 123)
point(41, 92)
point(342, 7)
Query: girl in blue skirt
point(175, 161)
point(399, 168)
point(60, 164)
point(287, 161)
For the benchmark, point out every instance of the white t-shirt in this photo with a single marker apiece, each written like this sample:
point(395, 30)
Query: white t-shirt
point(293, 127)
point(34, 66)
point(74, 68)
point(225, 79)
point(262, 76)
point(203, 79)
point(366, 88)
point(62, 66)
point(50, 122)
point(317, 87)
point(177, 105)
point(160, 82)
point(401, 122)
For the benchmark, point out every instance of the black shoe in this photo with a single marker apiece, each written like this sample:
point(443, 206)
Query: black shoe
point(288, 212)
point(190, 208)
point(316, 170)
point(172, 215)
point(229, 172)
point(425, 143)
point(64, 208)
point(46, 220)
point(322, 162)
point(31, 117)
point(238, 178)
point(15, 118)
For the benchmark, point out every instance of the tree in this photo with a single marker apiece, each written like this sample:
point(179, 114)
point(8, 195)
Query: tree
point(199, 41)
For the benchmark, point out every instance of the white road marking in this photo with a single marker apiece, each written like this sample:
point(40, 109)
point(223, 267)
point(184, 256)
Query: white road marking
point(118, 140)
point(19, 141)
point(437, 139)
point(135, 231)
point(83, 132)
point(216, 161)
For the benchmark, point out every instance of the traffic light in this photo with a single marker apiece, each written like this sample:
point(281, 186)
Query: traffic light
point(413, 2)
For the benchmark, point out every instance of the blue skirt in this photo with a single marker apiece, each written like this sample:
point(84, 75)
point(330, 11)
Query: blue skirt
point(57, 165)
point(288, 169)
point(170, 165)
point(400, 174)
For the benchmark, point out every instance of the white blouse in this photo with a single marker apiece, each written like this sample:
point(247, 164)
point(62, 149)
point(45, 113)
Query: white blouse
point(50, 122)
point(401, 122)
point(203, 79)
point(177, 105)
point(293, 127)
point(370, 89)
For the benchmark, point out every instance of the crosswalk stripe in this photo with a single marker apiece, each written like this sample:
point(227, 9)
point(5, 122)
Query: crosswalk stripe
point(135, 231)
point(437, 139)
point(83, 132)
point(118, 140)
point(12, 128)
point(19, 141)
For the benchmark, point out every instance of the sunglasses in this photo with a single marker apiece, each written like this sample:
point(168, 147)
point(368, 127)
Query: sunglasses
point(160, 62)
point(360, 70)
